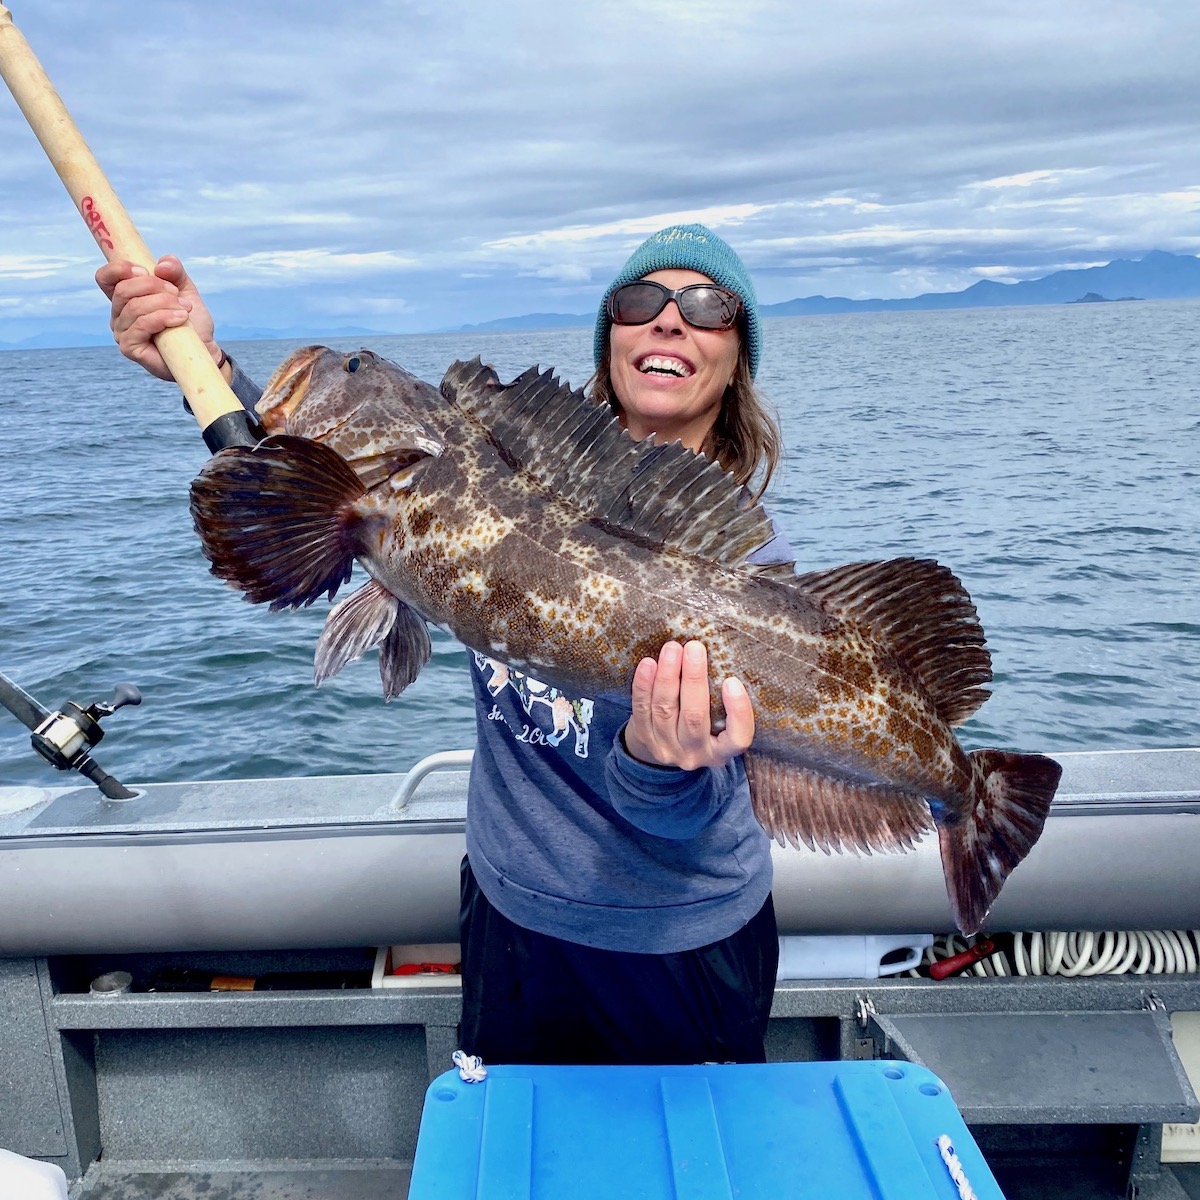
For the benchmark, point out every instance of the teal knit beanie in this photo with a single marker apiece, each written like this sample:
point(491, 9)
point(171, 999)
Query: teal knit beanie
point(689, 248)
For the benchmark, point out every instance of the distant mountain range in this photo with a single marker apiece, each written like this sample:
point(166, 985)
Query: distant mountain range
point(1158, 276)
point(60, 338)
point(528, 321)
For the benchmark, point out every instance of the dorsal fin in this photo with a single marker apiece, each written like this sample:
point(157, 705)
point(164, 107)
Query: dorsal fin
point(577, 450)
point(923, 613)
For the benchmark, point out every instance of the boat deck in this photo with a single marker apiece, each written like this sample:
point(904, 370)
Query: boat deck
point(366, 1181)
point(1072, 1180)
point(316, 1094)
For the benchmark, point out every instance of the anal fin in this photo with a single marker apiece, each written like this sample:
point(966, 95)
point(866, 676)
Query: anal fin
point(804, 807)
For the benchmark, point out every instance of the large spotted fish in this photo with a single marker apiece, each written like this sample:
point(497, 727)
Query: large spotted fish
point(524, 520)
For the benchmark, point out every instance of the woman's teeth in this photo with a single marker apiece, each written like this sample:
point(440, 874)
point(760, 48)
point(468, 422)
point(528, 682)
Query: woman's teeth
point(664, 366)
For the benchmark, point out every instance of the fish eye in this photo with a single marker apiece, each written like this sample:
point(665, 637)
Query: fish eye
point(352, 363)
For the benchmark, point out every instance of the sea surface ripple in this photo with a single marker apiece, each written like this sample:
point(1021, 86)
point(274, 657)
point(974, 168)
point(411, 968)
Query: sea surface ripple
point(1050, 456)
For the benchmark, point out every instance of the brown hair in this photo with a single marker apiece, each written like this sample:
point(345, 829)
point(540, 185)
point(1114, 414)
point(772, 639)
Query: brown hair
point(745, 438)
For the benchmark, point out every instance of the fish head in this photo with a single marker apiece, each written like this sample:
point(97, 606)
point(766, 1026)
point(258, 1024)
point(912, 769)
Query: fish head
point(381, 419)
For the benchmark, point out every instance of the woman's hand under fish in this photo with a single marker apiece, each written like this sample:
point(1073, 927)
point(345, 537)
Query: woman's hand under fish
point(143, 305)
point(671, 725)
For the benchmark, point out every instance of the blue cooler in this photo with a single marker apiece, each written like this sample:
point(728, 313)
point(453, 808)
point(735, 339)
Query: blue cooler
point(834, 1130)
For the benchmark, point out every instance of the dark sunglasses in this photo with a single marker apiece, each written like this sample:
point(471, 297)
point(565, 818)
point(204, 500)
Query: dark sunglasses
point(703, 305)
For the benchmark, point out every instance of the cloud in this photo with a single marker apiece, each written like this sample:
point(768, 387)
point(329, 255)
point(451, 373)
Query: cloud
point(1024, 180)
point(564, 272)
point(33, 266)
point(314, 263)
point(474, 161)
point(639, 227)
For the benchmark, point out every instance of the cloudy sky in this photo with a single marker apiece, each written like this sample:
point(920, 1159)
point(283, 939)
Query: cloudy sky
point(404, 165)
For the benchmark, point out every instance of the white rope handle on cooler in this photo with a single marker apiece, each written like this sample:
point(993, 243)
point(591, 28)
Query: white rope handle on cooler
point(957, 1174)
point(470, 1067)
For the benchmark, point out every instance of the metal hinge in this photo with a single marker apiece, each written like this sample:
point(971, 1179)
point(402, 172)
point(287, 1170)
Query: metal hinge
point(864, 1011)
point(864, 1045)
point(864, 1050)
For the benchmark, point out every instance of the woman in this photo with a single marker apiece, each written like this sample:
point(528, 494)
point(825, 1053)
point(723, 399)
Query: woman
point(616, 890)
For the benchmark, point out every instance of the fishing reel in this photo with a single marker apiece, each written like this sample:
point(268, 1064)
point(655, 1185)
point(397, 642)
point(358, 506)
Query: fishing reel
point(64, 739)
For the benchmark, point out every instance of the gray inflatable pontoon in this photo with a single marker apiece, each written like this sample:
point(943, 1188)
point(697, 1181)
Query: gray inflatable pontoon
point(361, 860)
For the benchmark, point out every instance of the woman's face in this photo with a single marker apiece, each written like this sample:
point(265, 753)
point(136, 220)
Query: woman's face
point(669, 376)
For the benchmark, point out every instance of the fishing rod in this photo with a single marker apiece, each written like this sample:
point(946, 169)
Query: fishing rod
point(65, 738)
point(220, 415)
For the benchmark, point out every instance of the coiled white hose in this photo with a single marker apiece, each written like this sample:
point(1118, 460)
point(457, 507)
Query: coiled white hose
point(1123, 952)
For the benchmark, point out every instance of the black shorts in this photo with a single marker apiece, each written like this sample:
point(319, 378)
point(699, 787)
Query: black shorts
point(531, 998)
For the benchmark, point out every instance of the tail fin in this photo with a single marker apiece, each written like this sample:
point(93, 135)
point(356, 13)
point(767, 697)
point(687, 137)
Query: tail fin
point(271, 520)
point(1008, 809)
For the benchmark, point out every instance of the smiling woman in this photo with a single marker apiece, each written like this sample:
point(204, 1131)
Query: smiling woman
point(623, 909)
point(671, 374)
point(677, 345)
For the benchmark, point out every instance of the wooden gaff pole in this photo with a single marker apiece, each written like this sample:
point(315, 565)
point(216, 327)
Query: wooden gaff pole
point(215, 407)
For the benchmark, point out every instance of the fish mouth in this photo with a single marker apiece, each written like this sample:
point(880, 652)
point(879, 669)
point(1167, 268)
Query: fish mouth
point(287, 387)
point(670, 366)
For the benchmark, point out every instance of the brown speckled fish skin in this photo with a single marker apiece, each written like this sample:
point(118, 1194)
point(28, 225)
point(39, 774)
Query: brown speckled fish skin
point(525, 522)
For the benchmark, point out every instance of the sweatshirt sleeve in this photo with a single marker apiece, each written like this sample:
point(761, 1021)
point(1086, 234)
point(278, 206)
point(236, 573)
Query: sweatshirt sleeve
point(667, 802)
point(243, 387)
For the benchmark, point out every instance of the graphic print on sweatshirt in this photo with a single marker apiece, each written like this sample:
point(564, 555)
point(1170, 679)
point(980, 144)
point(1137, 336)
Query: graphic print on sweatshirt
point(566, 715)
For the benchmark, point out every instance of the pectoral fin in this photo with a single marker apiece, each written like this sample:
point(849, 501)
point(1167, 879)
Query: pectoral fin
point(276, 520)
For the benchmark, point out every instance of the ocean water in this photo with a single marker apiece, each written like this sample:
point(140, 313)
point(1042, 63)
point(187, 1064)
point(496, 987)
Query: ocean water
point(1050, 456)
